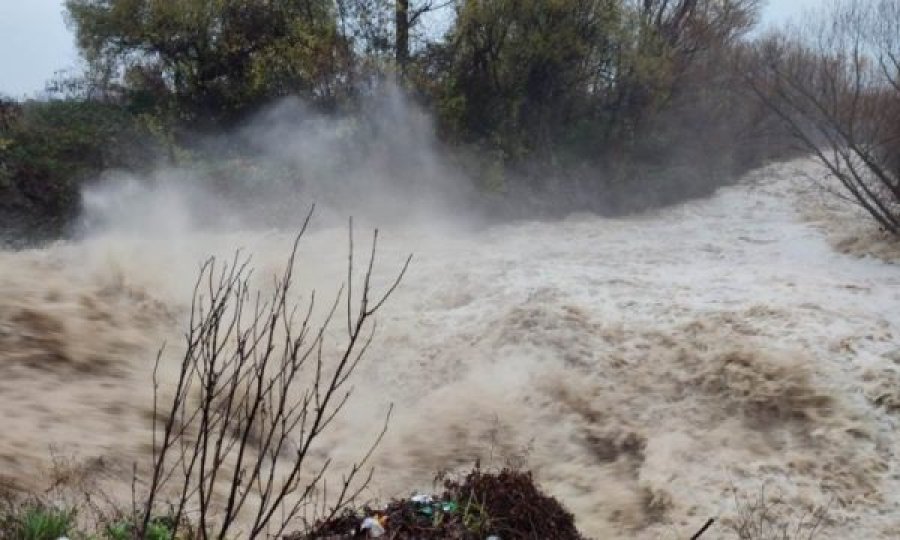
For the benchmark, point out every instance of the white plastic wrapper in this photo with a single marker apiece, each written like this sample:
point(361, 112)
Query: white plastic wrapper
point(373, 526)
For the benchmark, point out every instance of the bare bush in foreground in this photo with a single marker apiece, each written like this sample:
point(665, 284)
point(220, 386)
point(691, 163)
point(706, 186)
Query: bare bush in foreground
point(768, 517)
point(255, 391)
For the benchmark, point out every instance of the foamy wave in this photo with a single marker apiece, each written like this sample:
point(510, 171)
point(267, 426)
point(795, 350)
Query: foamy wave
point(645, 368)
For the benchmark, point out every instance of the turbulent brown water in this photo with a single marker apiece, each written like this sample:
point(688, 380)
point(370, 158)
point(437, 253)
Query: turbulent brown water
point(646, 369)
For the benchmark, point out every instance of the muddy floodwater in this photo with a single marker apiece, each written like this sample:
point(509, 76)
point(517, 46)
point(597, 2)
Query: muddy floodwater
point(645, 368)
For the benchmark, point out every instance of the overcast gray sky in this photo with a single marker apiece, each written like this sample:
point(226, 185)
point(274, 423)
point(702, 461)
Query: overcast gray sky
point(35, 43)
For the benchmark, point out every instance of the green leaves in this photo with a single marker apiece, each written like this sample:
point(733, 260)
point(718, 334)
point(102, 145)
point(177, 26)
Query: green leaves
point(48, 148)
point(522, 70)
point(37, 522)
point(216, 59)
point(157, 529)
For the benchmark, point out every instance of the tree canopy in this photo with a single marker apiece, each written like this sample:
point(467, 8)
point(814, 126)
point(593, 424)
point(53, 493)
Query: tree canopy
point(214, 59)
point(604, 97)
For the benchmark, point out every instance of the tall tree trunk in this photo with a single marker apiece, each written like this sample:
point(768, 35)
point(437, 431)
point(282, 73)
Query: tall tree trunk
point(401, 44)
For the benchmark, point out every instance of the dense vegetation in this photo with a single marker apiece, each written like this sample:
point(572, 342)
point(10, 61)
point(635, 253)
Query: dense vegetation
point(608, 105)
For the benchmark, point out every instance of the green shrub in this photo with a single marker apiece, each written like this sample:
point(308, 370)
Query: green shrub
point(158, 529)
point(48, 148)
point(37, 521)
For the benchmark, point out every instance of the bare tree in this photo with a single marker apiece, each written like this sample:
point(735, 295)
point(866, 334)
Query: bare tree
point(255, 391)
point(406, 17)
point(401, 31)
point(835, 83)
point(691, 26)
point(389, 27)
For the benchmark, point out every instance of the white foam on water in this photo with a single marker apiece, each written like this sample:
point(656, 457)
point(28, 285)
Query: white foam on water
point(644, 368)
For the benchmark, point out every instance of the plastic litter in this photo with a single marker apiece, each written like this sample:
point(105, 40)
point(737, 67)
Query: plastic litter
point(375, 526)
point(422, 499)
point(426, 505)
point(427, 510)
point(492, 538)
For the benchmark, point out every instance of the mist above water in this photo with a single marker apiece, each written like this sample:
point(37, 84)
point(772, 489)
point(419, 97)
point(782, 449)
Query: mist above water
point(381, 164)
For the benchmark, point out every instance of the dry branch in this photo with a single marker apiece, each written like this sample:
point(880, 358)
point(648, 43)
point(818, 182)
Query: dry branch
point(256, 389)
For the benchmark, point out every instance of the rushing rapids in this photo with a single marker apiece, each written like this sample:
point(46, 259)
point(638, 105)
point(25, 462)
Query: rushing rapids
point(653, 371)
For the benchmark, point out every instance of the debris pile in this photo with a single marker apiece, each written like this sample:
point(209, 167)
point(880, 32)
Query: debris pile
point(482, 506)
